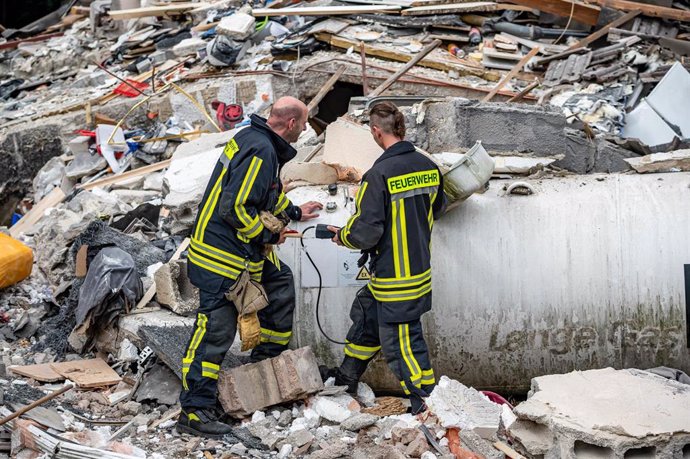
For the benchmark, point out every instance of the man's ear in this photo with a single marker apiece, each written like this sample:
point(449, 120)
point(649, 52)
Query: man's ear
point(291, 123)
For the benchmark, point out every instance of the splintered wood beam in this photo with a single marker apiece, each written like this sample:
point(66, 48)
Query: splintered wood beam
point(510, 75)
point(325, 10)
point(648, 10)
point(604, 30)
point(586, 14)
point(403, 70)
point(324, 89)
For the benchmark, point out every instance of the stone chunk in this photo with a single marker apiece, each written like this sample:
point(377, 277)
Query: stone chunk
point(297, 373)
point(188, 46)
point(359, 421)
point(173, 288)
point(673, 161)
point(238, 26)
point(350, 149)
point(314, 173)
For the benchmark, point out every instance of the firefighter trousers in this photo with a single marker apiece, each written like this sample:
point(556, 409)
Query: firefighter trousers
point(402, 343)
point(215, 328)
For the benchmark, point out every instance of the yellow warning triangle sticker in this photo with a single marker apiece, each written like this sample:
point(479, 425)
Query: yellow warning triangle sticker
point(363, 274)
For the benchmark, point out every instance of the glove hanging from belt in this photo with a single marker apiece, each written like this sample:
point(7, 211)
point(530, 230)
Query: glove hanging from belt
point(249, 297)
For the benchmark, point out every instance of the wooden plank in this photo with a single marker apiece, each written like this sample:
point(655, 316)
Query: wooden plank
point(455, 8)
point(403, 70)
point(154, 11)
point(52, 199)
point(509, 76)
point(325, 10)
point(14, 43)
point(508, 451)
point(324, 89)
point(604, 30)
point(88, 373)
point(395, 54)
point(148, 296)
point(586, 14)
point(647, 10)
point(525, 91)
point(42, 373)
point(126, 175)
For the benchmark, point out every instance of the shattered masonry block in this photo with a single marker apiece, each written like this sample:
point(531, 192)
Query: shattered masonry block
point(238, 26)
point(316, 173)
point(173, 288)
point(602, 412)
point(249, 388)
point(79, 144)
point(291, 375)
point(297, 373)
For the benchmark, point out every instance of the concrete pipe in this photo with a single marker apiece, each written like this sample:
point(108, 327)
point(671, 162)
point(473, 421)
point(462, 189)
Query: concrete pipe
point(587, 272)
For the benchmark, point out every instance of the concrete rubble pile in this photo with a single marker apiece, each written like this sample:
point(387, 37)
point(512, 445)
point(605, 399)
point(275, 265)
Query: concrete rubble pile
point(114, 113)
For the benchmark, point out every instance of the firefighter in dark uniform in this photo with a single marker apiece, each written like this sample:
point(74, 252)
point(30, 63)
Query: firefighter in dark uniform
point(229, 237)
point(397, 202)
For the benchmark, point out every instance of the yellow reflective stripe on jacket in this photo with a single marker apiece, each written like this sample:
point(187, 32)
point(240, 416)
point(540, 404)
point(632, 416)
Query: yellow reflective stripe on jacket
point(344, 235)
point(361, 352)
point(272, 336)
point(213, 266)
point(413, 181)
point(401, 282)
point(401, 260)
point(400, 295)
point(273, 258)
point(198, 335)
point(209, 206)
point(250, 224)
point(282, 204)
point(430, 217)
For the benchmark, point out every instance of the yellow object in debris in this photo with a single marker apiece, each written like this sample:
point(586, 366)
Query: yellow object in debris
point(16, 261)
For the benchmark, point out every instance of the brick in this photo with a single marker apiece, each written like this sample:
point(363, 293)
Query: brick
point(297, 373)
point(248, 388)
point(290, 376)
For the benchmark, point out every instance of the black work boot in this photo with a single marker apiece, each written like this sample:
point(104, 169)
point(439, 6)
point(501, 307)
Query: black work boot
point(202, 423)
point(350, 372)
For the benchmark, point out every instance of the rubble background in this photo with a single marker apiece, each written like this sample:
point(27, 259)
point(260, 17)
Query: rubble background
point(552, 88)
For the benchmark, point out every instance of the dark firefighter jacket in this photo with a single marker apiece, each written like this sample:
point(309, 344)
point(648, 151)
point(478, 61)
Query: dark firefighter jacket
point(397, 202)
point(228, 235)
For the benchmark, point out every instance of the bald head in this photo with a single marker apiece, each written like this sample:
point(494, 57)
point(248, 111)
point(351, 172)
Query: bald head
point(288, 118)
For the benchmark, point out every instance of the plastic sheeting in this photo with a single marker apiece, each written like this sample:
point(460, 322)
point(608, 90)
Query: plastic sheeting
point(111, 287)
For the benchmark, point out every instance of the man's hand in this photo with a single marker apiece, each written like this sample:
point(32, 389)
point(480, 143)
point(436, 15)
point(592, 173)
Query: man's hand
point(282, 238)
point(336, 230)
point(308, 209)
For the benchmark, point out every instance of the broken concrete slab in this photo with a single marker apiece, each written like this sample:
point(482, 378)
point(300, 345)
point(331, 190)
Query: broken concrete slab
point(173, 288)
point(291, 375)
point(189, 172)
point(83, 164)
point(79, 144)
point(673, 161)
point(189, 46)
point(593, 411)
point(160, 385)
point(350, 149)
point(42, 373)
point(314, 173)
point(457, 405)
point(521, 165)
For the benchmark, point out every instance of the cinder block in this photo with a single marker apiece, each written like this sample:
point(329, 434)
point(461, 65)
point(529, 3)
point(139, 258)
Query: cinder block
point(173, 288)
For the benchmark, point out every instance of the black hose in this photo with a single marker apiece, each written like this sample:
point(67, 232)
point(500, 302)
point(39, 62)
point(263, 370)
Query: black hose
point(318, 295)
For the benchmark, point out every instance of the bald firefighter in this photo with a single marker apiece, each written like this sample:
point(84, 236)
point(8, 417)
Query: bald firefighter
point(230, 237)
point(397, 202)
